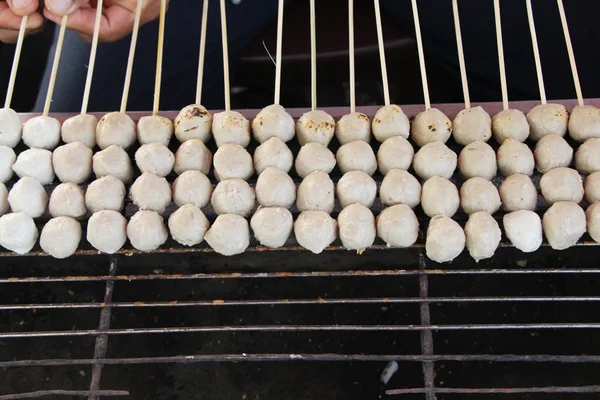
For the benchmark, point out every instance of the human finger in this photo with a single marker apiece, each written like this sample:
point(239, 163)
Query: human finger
point(62, 7)
point(23, 7)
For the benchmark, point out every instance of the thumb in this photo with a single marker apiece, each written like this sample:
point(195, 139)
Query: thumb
point(62, 7)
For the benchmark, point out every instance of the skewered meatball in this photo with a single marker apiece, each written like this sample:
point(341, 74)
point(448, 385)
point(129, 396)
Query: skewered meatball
point(353, 127)
point(315, 230)
point(435, 159)
point(146, 230)
point(231, 127)
point(154, 129)
point(107, 231)
point(517, 192)
point(478, 159)
point(390, 121)
point(188, 225)
point(584, 123)
point(273, 153)
point(41, 133)
point(593, 221)
point(113, 161)
point(357, 227)
point(36, 164)
point(398, 226)
point(564, 224)
point(547, 119)
point(151, 192)
point(275, 188)
point(431, 126)
point(106, 193)
point(587, 158)
point(483, 235)
point(3, 199)
point(7, 160)
point(471, 125)
point(193, 155)
point(356, 156)
point(591, 187)
point(232, 161)
point(552, 151)
point(314, 157)
point(229, 235)
point(316, 193)
point(445, 239)
point(356, 187)
point(315, 127)
point(193, 122)
point(80, 128)
point(515, 157)
point(18, 232)
point(233, 196)
point(562, 184)
point(400, 187)
point(72, 162)
point(479, 194)
point(11, 127)
point(273, 121)
point(192, 187)
point(510, 124)
point(67, 200)
point(28, 196)
point(395, 153)
point(524, 230)
point(439, 197)
point(60, 237)
point(115, 128)
point(272, 226)
point(155, 158)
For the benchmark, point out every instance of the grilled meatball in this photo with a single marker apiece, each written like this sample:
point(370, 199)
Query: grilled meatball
point(36, 164)
point(435, 159)
point(584, 123)
point(510, 124)
point(67, 200)
point(315, 127)
point(515, 157)
point(395, 153)
point(272, 226)
point(274, 153)
point(113, 161)
point(471, 125)
point(28, 196)
point(193, 155)
point(524, 230)
point(188, 225)
point(517, 192)
point(193, 122)
point(18, 232)
point(564, 224)
point(552, 151)
point(232, 161)
point(60, 237)
point(154, 129)
point(398, 226)
point(41, 133)
point(445, 239)
point(356, 187)
point(431, 126)
point(390, 121)
point(315, 230)
point(547, 119)
point(353, 127)
point(483, 235)
point(72, 162)
point(151, 192)
point(562, 184)
point(233, 196)
point(478, 159)
point(273, 121)
point(229, 235)
point(231, 127)
point(314, 157)
point(106, 193)
point(400, 187)
point(107, 231)
point(192, 187)
point(439, 197)
point(479, 194)
point(275, 188)
point(80, 128)
point(115, 128)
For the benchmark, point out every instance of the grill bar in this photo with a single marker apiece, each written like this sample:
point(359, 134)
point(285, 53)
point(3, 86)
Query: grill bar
point(426, 335)
point(46, 393)
point(550, 389)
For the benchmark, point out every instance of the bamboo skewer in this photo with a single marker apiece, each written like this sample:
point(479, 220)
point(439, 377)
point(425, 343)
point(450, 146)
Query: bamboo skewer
point(278, 56)
point(131, 57)
point(351, 51)
point(15, 64)
point(225, 56)
point(501, 62)
point(313, 55)
point(421, 55)
point(202, 52)
point(384, 75)
point(565, 26)
point(461, 55)
point(55, 64)
point(536, 52)
point(159, 56)
point(92, 62)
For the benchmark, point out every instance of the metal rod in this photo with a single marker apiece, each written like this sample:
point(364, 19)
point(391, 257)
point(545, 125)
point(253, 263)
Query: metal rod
point(426, 335)
point(46, 393)
point(550, 389)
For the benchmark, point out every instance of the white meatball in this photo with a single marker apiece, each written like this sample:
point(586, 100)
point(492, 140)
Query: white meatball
point(524, 230)
point(562, 184)
point(28, 196)
point(547, 119)
point(518, 192)
point(193, 155)
point(193, 122)
point(356, 187)
point(552, 151)
point(273, 121)
point(584, 123)
point(7, 160)
point(80, 128)
point(151, 192)
point(398, 226)
point(154, 129)
point(400, 187)
point(188, 225)
point(107, 231)
point(10, 127)
point(106, 193)
point(146, 230)
point(564, 224)
point(18, 232)
point(115, 128)
point(587, 158)
point(273, 153)
point(593, 221)
point(357, 227)
point(478, 159)
point(272, 226)
point(36, 164)
point(591, 187)
point(515, 157)
point(113, 161)
point(315, 230)
point(353, 127)
point(431, 126)
point(483, 235)
point(314, 157)
point(471, 125)
point(3, 199)
point(315, 127)
point(445, 239)
point(72, 162)
point(41, 133)
point(510, 124)
point(60, 237)
point(356, 156)
point(233, 196)
point(192, 187)
point(67, 200)
point(316, 193)
point(435, 159)
point(275, 188)
point(229, 235)
point(390, 121)
point(439, 197)
point(232, 161)
point(395, 153)
point(479, 194)
point(231, 127)
point(155, 158)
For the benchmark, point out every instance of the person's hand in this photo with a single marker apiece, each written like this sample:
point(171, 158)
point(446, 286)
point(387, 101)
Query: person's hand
point(118, 16)
point(11, 14)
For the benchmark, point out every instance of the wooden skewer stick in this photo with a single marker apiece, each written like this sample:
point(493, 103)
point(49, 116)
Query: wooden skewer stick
point(225, 56)
point(421, 55)
point(536, 52)
point(159, 56)
point(351, 50)
point(461, 55)
point(15, 65)
point(313, 55)
point(502, 65)
point(384, 75)
point(202, 52)
point(131, 58)
point(92, 62)
point(565, 25)
point(54, 72)
point(278, 57)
